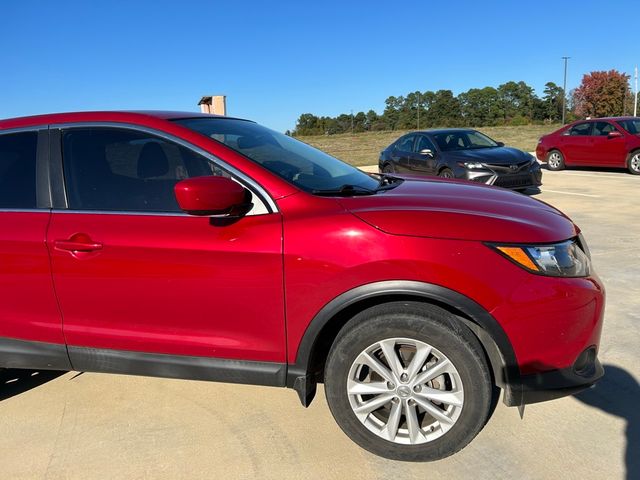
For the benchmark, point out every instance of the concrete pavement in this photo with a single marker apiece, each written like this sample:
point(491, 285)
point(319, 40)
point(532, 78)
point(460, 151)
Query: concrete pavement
point(113, 426)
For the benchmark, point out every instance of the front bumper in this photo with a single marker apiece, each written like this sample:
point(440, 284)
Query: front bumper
point(505, 176)
point(540, 387)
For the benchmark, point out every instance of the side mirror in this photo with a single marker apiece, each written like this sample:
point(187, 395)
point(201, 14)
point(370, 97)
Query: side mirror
point(500, 144)
point(427, 152)
point(614, 134)
point(211, 195)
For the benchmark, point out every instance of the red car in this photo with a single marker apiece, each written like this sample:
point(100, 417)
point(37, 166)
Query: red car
point(194, 246)
point(598, 142)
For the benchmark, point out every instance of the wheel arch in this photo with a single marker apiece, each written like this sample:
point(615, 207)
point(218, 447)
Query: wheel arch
point(387, 163)
point(555, 148)
point(441, 166)
point(324, 327)
point(627, 161)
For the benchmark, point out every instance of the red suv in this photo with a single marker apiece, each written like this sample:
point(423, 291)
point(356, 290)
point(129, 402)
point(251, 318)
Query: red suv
point(599, 142)
point(211, 248)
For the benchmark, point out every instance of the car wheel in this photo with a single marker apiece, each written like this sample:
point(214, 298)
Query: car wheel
point(555, 160)
point(388, 168)
point(407, 381)
point(633, 162)
point(446, 173)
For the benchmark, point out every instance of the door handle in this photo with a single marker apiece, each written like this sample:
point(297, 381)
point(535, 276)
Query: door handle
point(79, 242)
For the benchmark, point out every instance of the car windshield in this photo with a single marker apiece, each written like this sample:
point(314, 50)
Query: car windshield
point(300, 164)
point(632, 126)
point(463, 140)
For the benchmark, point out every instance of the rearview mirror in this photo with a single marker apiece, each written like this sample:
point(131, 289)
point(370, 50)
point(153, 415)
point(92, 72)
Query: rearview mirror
point(500, 144)
point(427, 152)
point(212, 195)
point(614, 134)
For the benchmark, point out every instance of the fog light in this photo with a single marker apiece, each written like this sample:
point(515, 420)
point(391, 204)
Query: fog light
point(585, 364)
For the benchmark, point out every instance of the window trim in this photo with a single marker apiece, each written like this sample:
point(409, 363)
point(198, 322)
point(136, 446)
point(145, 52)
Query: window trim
point(42, 180)
point(61, 203)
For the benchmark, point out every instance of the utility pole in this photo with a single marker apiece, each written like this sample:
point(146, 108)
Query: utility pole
point(564, 88)
point(419, 104)
point(635, 101)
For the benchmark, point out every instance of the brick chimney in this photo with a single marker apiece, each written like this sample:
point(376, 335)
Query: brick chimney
point(216, 104)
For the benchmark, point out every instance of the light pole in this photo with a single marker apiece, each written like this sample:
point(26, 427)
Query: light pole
point(635, 101)
point(564, 88)
point(419, 104)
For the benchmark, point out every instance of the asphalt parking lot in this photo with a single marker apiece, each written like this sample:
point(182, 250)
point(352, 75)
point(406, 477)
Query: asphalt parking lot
point(110, 426)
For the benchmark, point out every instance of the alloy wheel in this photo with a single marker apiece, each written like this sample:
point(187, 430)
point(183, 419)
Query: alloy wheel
point(555, 160)
point(634, 163)
point(405, 391)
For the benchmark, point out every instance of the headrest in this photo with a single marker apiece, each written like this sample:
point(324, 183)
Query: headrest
point(152, 162)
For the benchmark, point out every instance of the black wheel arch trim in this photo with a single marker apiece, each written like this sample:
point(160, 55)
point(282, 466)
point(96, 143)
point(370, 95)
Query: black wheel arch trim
point(489, 332)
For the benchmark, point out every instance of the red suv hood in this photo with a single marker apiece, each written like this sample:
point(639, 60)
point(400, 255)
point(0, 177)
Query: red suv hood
point(461, 210)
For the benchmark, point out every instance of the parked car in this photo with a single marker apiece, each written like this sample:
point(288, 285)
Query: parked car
point(461, 153)
point(598, 142)
point(193, 246)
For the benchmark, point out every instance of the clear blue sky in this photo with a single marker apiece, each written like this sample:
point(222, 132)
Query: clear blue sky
point(276, 60)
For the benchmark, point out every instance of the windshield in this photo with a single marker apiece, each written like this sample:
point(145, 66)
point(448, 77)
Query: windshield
point(463, 140)
point(631, 126)
point(300, 164)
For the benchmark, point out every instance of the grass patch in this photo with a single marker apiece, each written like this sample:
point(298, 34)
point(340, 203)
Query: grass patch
point(364, 148)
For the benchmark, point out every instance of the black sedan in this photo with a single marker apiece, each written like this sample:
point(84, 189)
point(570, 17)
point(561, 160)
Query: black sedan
point(461, 153)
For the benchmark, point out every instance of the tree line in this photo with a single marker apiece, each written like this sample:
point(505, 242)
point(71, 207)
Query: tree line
point(512, 103)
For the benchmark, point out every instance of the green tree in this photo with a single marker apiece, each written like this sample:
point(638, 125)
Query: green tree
point(371, 120)
point(392, 111)
point(480, 106)
point(360, 122)
point(444, 110)
point(307, 124)
point(517, 100)
point(408, 112)
point(552, 102)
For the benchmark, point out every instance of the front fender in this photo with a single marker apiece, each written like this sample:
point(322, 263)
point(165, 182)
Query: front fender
point(302, 378)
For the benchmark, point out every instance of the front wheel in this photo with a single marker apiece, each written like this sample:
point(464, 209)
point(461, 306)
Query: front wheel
point(633, 162)
point(446, 173)
point(555, 160)
point(406, 381)
point(388, 168)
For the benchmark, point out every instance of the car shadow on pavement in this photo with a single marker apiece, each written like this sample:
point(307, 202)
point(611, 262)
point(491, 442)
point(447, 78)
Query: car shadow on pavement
point(531, 191)
point(620, 170)
point(16, 381)
point(618, 393)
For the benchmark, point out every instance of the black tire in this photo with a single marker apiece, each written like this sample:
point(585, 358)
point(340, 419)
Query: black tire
point(633, 162)
point(555, 160)
point(388, 168)
point(411, 321)
point(446, 173)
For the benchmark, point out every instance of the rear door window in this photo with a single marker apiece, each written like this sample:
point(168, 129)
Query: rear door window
point(581, 129)
point(18, 153)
